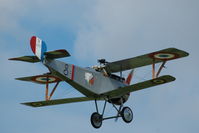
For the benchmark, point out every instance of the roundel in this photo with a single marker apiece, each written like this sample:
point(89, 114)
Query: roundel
point(36, 104)
point(164, 56)
point(45, 79)
point(158, 81)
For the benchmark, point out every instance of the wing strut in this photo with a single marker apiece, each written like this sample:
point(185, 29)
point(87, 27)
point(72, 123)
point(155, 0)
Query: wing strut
point(154, 74)
point(48, 97)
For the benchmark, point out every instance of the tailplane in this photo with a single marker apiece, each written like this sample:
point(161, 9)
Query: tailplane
point(39, 49)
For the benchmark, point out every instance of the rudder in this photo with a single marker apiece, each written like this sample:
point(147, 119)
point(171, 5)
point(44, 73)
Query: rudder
point(38, 47)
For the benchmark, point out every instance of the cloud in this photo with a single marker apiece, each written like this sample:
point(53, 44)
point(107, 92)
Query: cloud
point(111, 29)
point(16, 18)
point(115, 29)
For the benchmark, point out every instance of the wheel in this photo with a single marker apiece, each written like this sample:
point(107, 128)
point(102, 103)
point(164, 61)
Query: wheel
point(96, 120)
point(127, 114)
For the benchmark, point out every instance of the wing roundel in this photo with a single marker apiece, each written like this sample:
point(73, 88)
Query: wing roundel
point(41, 79)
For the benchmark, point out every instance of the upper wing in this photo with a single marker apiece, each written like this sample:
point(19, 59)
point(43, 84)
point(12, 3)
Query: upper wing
point(57, 54)
point(31, 59)
point(147, 59)
point(140, 86)
point(58, 101)
point(41, 79)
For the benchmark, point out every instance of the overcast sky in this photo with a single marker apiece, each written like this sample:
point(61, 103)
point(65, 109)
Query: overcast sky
point(93, 29)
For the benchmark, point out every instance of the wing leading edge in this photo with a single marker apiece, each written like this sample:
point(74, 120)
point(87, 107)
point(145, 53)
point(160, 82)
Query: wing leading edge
point(144, 60)
point(140, 86)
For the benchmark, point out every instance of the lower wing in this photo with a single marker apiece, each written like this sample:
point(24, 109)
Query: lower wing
point(140, 86)
point(111, 94)
point(58, 101)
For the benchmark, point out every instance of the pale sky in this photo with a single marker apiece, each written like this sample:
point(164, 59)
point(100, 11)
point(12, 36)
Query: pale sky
point(93, 29)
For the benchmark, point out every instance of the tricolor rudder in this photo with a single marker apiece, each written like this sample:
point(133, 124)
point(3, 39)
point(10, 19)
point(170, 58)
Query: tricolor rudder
point(38, 47)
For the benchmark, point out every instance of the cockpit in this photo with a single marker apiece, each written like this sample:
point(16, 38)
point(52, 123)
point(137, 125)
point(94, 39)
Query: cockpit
point(116, 77)
point(113, 76)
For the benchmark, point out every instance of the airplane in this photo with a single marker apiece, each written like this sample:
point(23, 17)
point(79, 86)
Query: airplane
point(98, 83)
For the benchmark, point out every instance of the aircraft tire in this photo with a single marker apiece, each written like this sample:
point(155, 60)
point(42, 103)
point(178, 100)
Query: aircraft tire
point(96, 120)
point(127, 114)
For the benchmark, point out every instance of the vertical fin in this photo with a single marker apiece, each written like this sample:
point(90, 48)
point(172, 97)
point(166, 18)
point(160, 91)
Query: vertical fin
point(129, 78)
point(38, 47)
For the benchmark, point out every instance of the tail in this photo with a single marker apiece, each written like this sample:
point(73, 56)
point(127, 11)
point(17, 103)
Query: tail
point(39, 49)
point(129, 78)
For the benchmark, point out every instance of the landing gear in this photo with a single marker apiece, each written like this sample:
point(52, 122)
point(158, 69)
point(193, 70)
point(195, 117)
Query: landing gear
point(124, 112)
point(127, 114)
point(96, 120)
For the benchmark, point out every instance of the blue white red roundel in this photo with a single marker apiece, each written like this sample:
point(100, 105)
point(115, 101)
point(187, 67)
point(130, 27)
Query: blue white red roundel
point(163, 56)
point(158, 81)
point(45, 79)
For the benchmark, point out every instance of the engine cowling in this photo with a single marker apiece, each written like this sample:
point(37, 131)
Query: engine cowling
point(119, 100)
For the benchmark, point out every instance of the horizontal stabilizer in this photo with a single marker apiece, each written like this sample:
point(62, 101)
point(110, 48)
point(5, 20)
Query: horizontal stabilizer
point(49, 55)
point(141, 85)
point(58, 101)
point(41, 79)
point(57, 54)
point(31, 59)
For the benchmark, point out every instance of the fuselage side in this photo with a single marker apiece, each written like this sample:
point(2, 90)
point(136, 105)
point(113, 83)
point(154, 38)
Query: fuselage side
point(86, 80)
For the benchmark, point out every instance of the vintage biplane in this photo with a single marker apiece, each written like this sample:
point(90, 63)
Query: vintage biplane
point(98, 82)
